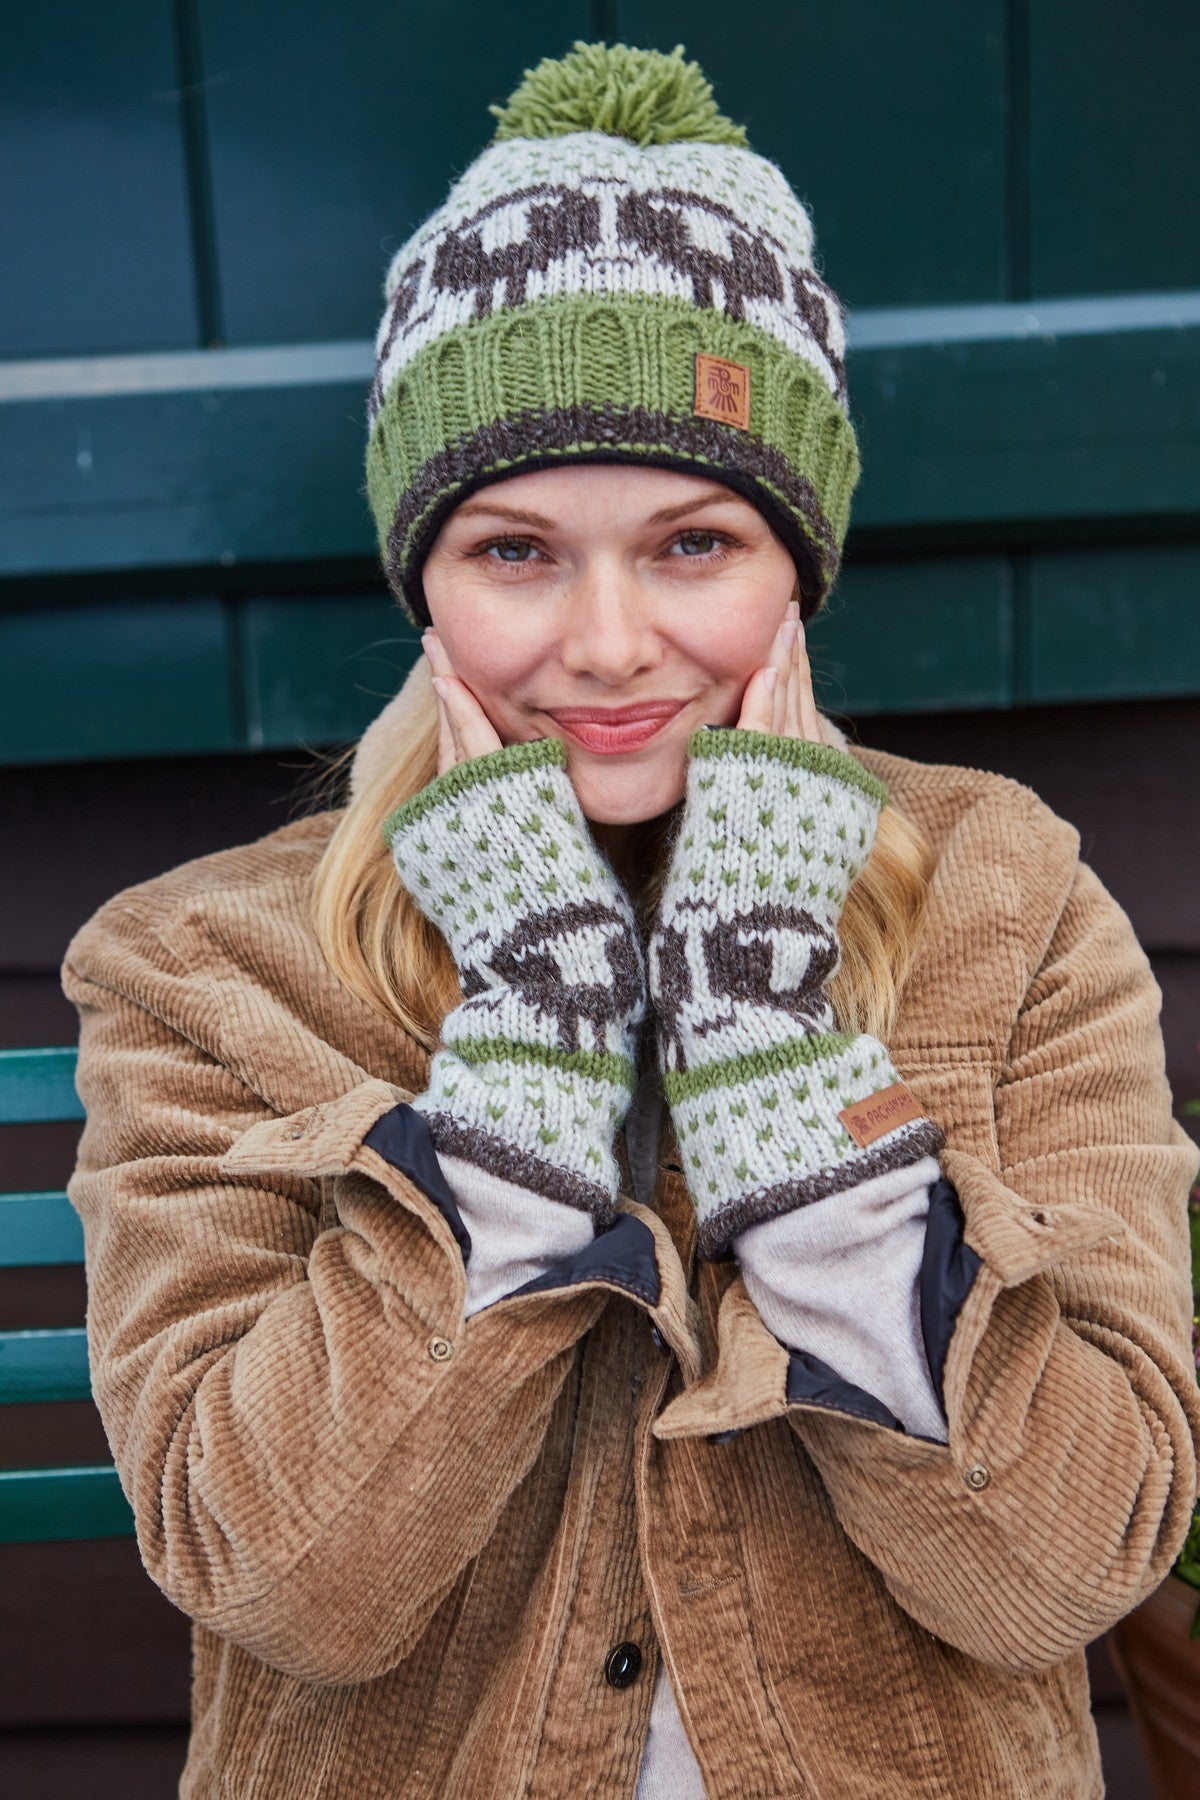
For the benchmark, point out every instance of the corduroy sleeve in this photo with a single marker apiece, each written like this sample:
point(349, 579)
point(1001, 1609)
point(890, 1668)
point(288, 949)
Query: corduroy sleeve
point(313, 1441)
point(1070, 1474)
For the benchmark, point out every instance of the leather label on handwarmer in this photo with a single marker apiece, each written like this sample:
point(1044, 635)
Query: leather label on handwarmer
point(879, 1113)
point(722, 391)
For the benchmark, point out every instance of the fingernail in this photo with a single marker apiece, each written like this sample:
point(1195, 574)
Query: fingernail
point(439, 686)
point(790, 629)
point(772, 678)
point(793, 609)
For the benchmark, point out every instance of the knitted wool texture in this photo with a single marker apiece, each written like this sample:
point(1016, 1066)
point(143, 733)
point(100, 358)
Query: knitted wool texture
point(773, 832)
point(537, 1065)
point(568, 300)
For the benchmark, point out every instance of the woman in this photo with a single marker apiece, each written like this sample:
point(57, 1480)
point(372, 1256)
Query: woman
point(753, 1354)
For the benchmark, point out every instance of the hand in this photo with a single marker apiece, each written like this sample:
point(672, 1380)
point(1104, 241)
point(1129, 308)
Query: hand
point(776, 827)
point(537, 1065)
point(779, 696)
point(464, 729)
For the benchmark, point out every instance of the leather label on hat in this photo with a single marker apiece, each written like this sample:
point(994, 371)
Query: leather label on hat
point(722, 391)
point(869, 1119)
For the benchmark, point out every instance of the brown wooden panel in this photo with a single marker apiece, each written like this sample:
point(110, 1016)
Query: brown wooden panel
point(1179, 979)
point(34, 1010)
point(42, 1299)
point(63, 1435)
point(98, 1641)
point(36, 1158)
point(142, 818)
point(1124, 773)
point(120, 1763)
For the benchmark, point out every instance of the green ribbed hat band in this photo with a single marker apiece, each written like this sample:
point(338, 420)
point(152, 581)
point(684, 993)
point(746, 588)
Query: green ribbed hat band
point(609, 378)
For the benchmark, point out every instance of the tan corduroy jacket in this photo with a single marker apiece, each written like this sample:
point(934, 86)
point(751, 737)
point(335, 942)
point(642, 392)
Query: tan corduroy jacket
point(409, 1544)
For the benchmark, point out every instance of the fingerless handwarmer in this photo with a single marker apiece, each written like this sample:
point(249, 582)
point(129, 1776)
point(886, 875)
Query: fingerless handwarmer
point(772, 1106)
point(538, 1062)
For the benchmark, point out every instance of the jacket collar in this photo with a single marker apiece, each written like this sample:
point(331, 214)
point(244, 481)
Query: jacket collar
point(375, 747)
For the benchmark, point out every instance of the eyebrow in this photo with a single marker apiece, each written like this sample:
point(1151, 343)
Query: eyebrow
point(486, 507)
point(714, 496)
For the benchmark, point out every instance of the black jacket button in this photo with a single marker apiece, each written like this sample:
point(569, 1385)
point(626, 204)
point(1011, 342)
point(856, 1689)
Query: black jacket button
point(622, 1665)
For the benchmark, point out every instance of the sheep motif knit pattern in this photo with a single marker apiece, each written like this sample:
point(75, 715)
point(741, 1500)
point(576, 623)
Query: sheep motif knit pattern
point(537, 1064)
point(619, 278)
point(773, 832)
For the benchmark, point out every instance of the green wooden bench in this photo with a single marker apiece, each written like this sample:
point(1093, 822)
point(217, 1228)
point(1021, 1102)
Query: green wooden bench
point(38, 1231)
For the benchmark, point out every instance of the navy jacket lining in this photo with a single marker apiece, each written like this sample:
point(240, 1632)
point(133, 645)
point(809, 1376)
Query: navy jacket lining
point(402, 1138)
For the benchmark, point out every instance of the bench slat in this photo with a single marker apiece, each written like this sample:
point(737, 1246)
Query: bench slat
point(38, 1231)
point(39, 1506)
point(38, 1087)
point(44, 1365)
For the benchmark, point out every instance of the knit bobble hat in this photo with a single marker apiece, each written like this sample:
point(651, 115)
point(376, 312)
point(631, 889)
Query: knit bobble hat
point(616, 278)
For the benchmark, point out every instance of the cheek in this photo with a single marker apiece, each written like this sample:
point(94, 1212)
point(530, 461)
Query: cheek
point(494, 661)
point(735, 642)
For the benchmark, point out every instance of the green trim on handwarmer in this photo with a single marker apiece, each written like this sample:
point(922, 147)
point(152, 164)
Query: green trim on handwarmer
point(510, 759)
point(797, 753)
point(797, 1053)
point(597, 1065)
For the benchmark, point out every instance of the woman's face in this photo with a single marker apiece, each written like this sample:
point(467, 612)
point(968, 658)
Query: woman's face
point(619, 608)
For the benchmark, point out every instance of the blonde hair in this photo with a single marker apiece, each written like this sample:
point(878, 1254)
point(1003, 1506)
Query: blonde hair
point(381, 946)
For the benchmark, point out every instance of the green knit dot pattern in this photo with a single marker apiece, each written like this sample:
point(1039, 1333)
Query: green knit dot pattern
point(774, 832)
point(536, 1066)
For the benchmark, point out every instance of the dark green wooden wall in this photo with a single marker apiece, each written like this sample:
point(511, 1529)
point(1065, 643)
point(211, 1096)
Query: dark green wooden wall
point(201, 197)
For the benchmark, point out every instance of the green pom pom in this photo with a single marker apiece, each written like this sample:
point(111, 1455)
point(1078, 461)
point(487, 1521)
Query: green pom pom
point(641, 95)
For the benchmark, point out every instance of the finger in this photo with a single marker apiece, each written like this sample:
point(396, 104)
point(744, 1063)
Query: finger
point(758, 701)
point(474, 733)
point(781, 661)
point(436, 651)
point(792, 727)
point(446, 756)
point(441, 687)
point(431, 649)
point(810, 722)
point(787, 639)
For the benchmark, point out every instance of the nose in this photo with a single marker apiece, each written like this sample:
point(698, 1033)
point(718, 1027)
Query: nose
point(609, 630)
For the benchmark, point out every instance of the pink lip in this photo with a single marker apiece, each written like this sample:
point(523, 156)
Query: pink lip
point(609, 730)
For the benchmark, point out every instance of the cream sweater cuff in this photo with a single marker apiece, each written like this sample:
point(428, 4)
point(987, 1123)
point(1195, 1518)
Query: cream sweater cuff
point(515, 1235)
point(840, 1279)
